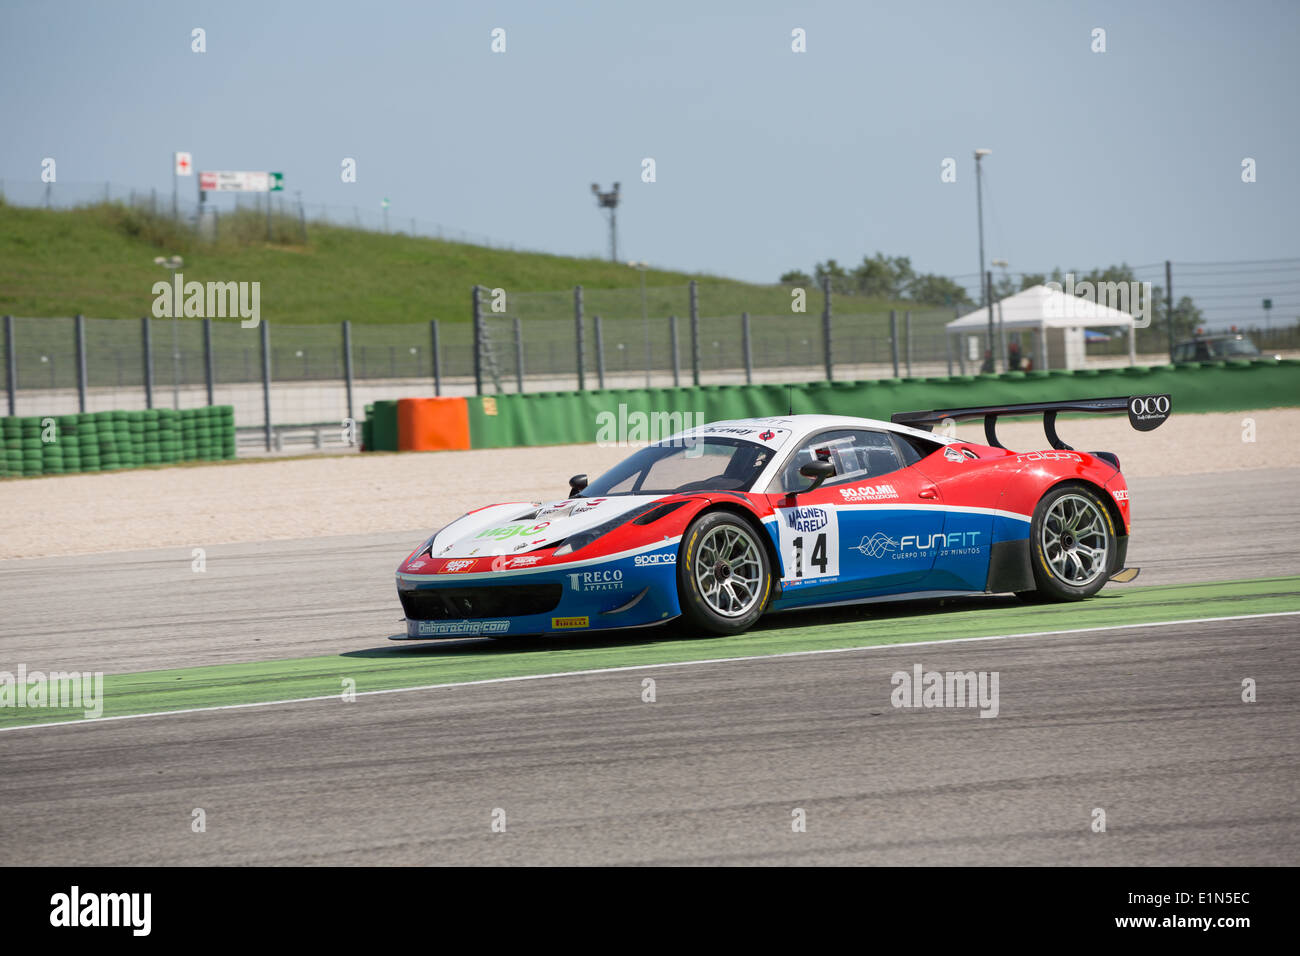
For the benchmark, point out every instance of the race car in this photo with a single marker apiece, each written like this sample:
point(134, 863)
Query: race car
point(723, 523)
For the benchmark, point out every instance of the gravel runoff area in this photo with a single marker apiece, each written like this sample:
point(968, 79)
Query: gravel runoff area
point(199, 505)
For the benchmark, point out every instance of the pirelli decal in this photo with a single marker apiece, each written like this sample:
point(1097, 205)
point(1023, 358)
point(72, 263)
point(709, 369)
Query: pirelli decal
point(567, 623)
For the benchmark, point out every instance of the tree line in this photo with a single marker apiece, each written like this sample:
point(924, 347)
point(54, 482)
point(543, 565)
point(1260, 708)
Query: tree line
point(893, 278)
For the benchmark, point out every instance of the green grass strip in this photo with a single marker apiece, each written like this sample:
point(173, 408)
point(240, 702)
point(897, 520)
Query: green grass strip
point(397, 664)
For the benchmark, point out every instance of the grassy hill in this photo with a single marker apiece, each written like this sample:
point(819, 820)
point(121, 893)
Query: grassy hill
point(98, 260)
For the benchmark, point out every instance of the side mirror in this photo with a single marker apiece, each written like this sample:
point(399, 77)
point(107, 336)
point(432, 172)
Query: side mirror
point(818, 471)
point(576, 484)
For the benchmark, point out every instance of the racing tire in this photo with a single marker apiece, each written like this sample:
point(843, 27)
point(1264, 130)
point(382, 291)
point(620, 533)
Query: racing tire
point(724, 576)
point(1072, 544)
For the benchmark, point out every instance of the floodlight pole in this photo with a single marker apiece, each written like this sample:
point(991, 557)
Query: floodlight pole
point(979, 206)
point(609, 200)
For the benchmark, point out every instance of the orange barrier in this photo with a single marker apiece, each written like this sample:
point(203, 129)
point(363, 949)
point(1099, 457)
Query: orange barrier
point(432, 424)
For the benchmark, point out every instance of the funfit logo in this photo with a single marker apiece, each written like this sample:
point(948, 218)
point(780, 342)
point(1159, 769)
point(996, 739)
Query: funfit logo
point(1132, 297)
point(212, 300)
point(61, 689)
point(923, 688)
point(75, 908)
point(642, 428)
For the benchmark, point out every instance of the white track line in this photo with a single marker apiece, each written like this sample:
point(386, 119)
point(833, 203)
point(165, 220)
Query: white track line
point(643, 667)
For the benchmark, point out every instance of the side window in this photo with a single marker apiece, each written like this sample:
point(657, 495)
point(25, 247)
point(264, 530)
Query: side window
point(857, 454)
point(913, 449)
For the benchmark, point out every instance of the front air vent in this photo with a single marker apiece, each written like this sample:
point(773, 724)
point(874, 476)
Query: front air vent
point(471, 603)
point(655, 514)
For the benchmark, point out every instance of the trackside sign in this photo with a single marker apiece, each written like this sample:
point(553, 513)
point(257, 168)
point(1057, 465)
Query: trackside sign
point(228, 181)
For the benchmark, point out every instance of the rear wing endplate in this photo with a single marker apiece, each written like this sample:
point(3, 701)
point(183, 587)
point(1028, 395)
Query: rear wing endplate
point(1145, 412)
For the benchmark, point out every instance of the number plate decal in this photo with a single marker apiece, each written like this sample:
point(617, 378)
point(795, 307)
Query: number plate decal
point(809, 540)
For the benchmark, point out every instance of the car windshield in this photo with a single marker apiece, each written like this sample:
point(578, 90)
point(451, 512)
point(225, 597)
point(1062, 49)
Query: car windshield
point(1239, 346)
point(700, 464)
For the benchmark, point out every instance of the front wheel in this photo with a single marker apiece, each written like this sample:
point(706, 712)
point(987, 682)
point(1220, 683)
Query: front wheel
point(1073, 544)
point(724, 577)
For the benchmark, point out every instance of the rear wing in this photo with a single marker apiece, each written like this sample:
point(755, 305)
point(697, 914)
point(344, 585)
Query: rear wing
point(1145, 412)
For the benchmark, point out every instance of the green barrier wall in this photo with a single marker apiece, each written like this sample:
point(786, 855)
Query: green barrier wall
point(382, 418)
point(107, 441)
point(558, 418)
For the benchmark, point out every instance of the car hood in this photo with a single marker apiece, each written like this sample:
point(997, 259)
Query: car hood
point(522, 527)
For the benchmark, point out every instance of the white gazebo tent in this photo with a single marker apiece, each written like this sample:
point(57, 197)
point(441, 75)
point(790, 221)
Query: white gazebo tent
point(1057, 321)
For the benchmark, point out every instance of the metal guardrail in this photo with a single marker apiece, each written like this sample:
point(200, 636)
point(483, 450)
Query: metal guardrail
point(315, 434)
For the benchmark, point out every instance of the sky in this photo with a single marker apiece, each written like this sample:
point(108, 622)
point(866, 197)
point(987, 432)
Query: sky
point(765, 159)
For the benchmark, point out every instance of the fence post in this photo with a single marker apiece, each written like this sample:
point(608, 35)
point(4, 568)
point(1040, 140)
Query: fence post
point(476, 311)
point(893, 339)
point(992, 339)
point(749, 354)
point(266, 380)
point(208, 374)
point(947, 347)
point(347, 364)
point(148, 361)
point(907, 327)
point(961, 358)
point(11, 379)
point(826, 326)
point(695, 334)
point(437, 357)
point(519, 355)
point(600, 352)
point(1169, 311)
point(577, 321)
point(80, 327)
point(677, 364)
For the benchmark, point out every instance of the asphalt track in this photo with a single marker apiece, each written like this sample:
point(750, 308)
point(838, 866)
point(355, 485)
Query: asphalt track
point(142, 610)
point(1145, 723)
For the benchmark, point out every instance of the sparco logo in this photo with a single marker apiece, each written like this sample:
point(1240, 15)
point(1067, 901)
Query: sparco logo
point(596, 580)
point(641, 560)
point(806, 519)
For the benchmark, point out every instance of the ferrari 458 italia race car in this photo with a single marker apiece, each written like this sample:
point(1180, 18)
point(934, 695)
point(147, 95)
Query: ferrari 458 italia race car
point(720, 524)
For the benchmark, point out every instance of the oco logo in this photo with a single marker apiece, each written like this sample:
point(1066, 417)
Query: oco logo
point(1146, 412)
point(1150, 405)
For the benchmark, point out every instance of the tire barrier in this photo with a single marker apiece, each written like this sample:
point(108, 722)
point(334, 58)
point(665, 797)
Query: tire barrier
point(109, 441)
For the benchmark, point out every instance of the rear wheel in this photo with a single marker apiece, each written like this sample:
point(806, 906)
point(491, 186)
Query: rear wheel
point(724, 577)
point(1072, 542)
